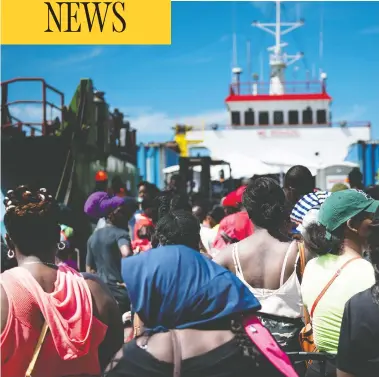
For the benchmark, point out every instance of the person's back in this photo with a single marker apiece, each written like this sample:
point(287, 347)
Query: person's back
point(103, 247)
point(267, 262)
point(82, 318)
point(197, 299)
point(74, 336)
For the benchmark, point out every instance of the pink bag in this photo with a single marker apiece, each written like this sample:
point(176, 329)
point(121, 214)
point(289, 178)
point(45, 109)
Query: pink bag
point(266, 344)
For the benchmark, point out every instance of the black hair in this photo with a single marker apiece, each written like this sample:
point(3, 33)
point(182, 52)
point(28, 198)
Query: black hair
point(121, 215)
point(6, 262)
point(300, 181)
point(143, 183)
point(199, 212)
point(176, 180)
point(31, 220)
point(117, 184)
point(355, 178)
point(178, 228)
point(231, 210)
point(169, 201)
point(315, 237)
point(265, 202)
point(101, 186)
point(217, 213)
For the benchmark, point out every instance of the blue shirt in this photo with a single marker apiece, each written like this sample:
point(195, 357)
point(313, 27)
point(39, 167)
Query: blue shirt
point(177, 287)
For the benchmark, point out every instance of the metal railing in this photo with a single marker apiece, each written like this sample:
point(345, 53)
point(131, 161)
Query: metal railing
point(8, 120)
point(290, 87)
point(341, 124)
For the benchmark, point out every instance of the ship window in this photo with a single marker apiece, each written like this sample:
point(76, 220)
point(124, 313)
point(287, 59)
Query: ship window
point(249, 118)
point(321, 116)
point(263, 118)
point(236, 118)
point(293, 117)
point(307, 116)
point(278, 117)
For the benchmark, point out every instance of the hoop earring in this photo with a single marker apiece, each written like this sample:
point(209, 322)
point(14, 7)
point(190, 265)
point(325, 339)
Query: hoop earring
point(10, 254)
point(61, 246)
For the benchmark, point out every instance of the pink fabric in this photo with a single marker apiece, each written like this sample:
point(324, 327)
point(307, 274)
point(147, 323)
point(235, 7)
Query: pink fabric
point(141, 245)
point(267, 345)
point(71, 345)
point(141, 222)
point(238, 226)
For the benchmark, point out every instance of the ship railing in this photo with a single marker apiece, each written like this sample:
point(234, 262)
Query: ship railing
point(290, 87)
point(42, 127)
point(340, 124)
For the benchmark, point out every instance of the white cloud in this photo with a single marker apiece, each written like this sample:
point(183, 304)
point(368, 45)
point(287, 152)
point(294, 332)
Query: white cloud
point(142, 118)
point(81, 57)
point(32, 113)
point(370, 30)
point(161, 122)
point(351, 115)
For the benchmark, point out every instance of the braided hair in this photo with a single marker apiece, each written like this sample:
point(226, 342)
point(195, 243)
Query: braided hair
point(178, 227)
point(31, 220)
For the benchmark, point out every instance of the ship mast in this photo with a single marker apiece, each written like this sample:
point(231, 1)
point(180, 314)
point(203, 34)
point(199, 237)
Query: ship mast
point(279, 60)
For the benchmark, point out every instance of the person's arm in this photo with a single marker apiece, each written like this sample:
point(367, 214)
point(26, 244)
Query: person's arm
point(90, 262)
point(125, 246)
point(106, 310)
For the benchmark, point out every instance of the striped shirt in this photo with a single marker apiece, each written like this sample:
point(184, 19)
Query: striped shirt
point(306, 203)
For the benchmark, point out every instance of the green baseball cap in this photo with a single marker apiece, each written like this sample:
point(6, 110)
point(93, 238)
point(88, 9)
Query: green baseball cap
point(341, 206)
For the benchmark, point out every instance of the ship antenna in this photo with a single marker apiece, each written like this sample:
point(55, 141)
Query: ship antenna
point(321, 42)
point(279, 60)
point(248, 58)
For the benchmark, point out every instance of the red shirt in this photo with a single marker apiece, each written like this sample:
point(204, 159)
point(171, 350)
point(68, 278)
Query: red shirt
point(236, 226)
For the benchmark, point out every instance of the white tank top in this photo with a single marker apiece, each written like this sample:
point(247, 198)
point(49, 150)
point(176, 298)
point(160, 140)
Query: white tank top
point(282, 302)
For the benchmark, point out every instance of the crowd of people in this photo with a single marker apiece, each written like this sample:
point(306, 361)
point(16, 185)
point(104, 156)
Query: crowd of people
point(271, 281)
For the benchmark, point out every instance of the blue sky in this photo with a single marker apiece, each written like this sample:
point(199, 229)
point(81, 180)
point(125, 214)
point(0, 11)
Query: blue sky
point(158, 86)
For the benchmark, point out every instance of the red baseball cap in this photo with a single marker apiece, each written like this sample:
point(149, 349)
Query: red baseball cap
point(234, 198)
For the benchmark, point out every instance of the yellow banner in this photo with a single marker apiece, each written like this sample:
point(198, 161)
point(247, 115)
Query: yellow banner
point(86, 22)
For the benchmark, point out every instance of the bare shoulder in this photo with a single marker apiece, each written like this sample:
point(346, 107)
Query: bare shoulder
point(225, 258)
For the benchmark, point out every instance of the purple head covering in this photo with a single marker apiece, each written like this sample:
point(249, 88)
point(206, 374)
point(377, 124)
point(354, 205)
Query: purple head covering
point(107, 205)
point(92, 205)
point(100, 204)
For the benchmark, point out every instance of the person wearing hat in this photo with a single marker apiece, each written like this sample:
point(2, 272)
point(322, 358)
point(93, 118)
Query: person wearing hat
point(236, 226)
point(358, 352)
point(108, 245)
point(339, 239)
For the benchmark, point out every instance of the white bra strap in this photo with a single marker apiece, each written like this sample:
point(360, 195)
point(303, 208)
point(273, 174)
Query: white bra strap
point(284, 264)
point(236, 260)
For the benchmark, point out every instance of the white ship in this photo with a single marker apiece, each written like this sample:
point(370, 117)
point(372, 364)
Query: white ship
point(278, 124)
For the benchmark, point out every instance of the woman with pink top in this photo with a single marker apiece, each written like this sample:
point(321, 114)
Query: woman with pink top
point(84, 327)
